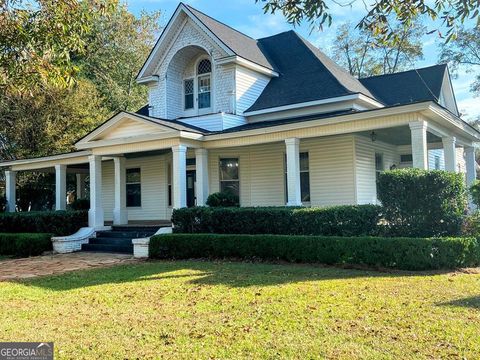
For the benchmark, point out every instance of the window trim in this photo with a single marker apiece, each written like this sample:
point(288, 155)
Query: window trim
point(184, 94)
point(133, 183)
point(196, 110)
point(220, 158)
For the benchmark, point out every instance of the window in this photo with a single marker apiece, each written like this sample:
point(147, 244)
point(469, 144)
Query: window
point(229, 176)
point(169, 183)
point(204, 70)
point(437, 162)
point(304, 178)
point(188, 89)
point(406, 158)
point(378, 167)
point(134, 196)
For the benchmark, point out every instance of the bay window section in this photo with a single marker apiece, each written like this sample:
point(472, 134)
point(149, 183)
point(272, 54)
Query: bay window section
point(134, 188)
point(229, 176)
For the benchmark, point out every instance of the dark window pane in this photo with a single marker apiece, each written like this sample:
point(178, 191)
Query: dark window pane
point(406, 158)
point(133, 175)
point(304, 161)
point(204, 67)
point(379, 162)
point(305, 186)
point(189, 101)
point(134, 198)
point(229, 169)
point(169, 195)
point(231, 186)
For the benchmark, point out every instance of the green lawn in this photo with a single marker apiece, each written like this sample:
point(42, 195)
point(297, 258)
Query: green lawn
point(235, 310)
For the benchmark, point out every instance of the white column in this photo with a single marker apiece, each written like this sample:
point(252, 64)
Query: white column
point(95, 214)
point(419, 144)
point(201, 166)
point(10, 189)
point(179, 176)
point(293, 172)
point(471, 164)
point(80, 193)
point(120, 215)
point(60, 187)
point(450, 153)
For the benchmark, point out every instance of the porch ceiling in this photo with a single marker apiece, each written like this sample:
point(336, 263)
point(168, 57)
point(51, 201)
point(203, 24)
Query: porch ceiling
point(398, 136)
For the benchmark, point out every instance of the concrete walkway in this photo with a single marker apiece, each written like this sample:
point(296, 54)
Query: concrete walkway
point(12, 269)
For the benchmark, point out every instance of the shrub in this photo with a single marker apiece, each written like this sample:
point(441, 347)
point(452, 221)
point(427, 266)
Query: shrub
point(421, 203)
point(475, 192)
point(80, 204)
point(24, 245)
point(471, 225)
point(223, 199)
point(58, 223)
point(399, 253)
point(339, 220)
point(3, 204)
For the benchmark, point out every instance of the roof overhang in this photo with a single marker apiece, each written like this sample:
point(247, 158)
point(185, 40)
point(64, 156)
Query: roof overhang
point(235, 59)
point(78, 157)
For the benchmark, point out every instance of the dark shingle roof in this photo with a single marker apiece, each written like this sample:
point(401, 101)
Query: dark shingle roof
point(306, 74)
point(408, 86)
point(241, 44)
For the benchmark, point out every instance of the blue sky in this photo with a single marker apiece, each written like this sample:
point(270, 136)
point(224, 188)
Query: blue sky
point(248, 17)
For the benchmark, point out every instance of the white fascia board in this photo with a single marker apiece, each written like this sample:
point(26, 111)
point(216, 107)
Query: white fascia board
point(313, 103)
point(75, 157)
point(148, 80)
point(128, 140)
point(452, 121)
point(238, 60)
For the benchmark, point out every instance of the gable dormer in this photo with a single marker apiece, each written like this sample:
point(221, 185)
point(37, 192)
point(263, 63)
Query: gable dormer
point(201, 67)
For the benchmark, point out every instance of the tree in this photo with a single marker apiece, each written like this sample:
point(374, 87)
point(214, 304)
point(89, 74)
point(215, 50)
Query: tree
point(38, 39)
point(447, 14)
point(364, 54)
point(117, 49)
point(464, 51)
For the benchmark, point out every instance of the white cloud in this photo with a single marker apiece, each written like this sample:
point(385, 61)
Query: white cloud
point(263, 25)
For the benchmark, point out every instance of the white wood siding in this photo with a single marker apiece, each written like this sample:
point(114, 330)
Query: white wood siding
point(249, 85)
point(365, 149)
point(129, 128)
point(153, 185)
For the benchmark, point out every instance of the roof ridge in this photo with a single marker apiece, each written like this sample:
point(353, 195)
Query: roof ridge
point(404, 71)
point(218, 21)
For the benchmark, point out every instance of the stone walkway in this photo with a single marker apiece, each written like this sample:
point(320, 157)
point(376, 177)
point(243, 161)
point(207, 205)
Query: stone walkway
point(13, 269)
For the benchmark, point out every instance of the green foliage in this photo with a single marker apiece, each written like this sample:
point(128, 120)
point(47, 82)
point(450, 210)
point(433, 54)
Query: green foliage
point(80, 204)
point(471, 225)
point(24, 244)
point(364, 53)
point(376, 16)
point(421, 203)
point(223, 199)
point(398, 253)
point(58, 223)
point(3, 204)
point(357, 220)
point(475, 193)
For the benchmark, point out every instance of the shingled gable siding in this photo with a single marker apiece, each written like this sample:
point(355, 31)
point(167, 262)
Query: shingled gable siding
point(223, 78)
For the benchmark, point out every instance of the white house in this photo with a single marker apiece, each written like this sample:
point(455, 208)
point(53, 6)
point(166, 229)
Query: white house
point(274, 119)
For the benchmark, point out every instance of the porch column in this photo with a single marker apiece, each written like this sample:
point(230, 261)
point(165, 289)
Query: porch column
point(201, 161)
point(95, 214)
point(80, 186)
point(450, 153)
point(120, 215)
point(10, 189)
point(471, 164)
point(179, 176)
point(418, 131)
point(293, 172)
point(60, 187)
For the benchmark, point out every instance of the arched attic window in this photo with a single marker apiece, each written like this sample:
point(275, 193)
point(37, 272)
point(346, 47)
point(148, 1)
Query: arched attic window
point(199, 86)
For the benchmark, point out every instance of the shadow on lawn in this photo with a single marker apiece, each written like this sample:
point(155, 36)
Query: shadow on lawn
point(230, 274)
point(472, 302)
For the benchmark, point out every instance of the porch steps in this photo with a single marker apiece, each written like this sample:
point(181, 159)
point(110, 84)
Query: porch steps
point(119, 239)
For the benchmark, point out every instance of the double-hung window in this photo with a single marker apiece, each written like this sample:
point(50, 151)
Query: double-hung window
point(188, 87)
point(304, 178)
point(204, 70)
point(229, 176)
point(134, 188)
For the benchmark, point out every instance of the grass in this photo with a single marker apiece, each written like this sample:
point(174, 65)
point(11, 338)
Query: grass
point(220, 310)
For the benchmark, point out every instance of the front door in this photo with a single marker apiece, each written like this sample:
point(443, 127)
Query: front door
point(191, 179)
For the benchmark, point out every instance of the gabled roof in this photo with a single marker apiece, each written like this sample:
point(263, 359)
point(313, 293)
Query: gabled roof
point(408, 86)
point(306, 74)
point(241, 44)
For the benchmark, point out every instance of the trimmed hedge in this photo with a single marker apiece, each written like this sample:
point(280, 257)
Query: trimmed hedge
point(58, 223)
point(422, 203)
point(361, 220)
point(24, 245)
point(399, 253)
